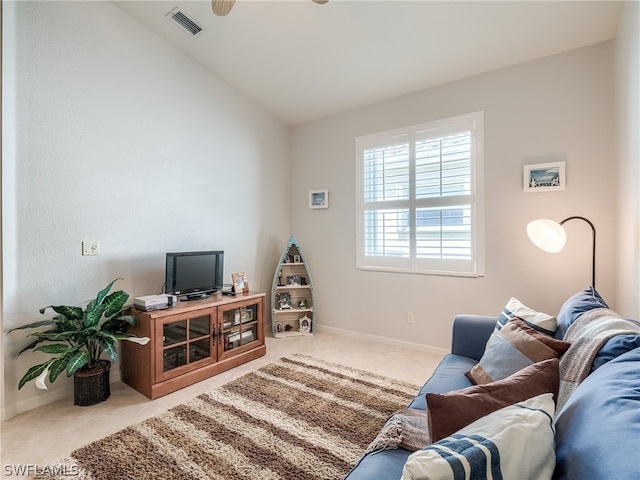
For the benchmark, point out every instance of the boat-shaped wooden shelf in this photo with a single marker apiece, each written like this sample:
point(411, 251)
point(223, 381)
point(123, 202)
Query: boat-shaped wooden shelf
point(293, 311)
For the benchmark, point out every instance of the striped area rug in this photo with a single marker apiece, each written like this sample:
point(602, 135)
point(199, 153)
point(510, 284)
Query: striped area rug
point(297, 418)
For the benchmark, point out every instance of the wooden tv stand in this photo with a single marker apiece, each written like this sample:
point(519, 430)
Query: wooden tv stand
point(192, 341)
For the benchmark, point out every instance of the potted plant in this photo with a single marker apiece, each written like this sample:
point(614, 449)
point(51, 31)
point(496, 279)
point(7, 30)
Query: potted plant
point(77, 340)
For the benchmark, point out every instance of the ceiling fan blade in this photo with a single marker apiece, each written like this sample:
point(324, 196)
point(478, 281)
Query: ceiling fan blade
point(321, 2)
point(222, 7)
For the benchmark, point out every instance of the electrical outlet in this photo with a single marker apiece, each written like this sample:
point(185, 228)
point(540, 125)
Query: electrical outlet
point(410, 318)
point(90, 247)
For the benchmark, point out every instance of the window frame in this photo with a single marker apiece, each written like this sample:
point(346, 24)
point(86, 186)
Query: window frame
point(471, 267)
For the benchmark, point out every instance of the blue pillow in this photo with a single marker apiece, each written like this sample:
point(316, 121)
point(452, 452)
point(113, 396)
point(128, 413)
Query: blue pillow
point(614, 347)
point(581, 302)
point(597, 429)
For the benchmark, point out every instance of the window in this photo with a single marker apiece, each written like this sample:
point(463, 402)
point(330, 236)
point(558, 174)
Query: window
point(420, 201)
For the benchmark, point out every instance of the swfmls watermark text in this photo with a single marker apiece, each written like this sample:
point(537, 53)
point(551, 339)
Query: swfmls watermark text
point(10, 470)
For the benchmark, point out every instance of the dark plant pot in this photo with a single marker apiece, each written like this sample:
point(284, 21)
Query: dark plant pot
point(92, 386)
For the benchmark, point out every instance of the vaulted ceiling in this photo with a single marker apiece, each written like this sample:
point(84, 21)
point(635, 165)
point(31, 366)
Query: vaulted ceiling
point(302, 61)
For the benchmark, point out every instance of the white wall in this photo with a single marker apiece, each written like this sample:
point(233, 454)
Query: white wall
point(111, 134)
point(554, 108)
point(627, 63)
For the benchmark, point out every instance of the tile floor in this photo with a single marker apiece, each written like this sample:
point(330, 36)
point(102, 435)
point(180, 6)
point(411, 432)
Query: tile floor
point(42, 435)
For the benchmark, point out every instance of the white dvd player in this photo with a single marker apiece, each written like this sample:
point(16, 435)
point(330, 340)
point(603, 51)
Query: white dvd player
point(155, 302)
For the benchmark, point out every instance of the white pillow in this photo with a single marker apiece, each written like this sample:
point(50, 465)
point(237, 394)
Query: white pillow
point(541, 321)
point(514, 442)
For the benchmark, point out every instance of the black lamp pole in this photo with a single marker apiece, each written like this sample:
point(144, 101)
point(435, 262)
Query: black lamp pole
point(593, 261)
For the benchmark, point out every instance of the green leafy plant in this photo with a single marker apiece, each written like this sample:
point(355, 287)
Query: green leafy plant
point(79, 337)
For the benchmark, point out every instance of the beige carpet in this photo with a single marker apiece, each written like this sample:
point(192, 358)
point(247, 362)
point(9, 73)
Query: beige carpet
point(297, 418)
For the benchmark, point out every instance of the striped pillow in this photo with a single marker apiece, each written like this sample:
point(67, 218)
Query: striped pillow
point(514, 442)
point(515, 347)
point(542, 322)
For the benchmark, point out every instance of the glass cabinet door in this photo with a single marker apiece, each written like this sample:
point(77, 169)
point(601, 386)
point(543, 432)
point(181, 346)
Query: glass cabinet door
point(174, 342)
point(185, 342)
point(238, 326)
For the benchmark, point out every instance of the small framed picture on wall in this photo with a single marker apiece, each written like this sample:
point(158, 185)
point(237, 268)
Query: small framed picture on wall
point(544, 177)
point(319, 198)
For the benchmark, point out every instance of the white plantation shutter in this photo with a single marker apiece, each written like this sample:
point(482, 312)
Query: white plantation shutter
point(420, 198)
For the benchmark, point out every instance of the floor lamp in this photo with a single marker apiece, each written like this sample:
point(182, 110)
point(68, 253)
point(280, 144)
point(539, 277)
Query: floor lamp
point(550, 236)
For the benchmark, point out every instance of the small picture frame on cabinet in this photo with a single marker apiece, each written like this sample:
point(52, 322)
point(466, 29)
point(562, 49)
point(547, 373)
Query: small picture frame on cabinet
point(279, 327)
point(240, 283)
point(293, 280)
point(297, 259)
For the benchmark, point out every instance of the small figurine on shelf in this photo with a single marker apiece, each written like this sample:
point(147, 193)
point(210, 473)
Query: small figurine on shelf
point(302, 303)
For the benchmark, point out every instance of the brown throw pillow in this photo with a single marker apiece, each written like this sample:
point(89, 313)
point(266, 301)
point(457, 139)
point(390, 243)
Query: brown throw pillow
point(452, 411)
point(515, 347)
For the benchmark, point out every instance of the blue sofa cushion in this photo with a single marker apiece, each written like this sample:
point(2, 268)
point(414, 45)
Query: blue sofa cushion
point(470, 334)
point(614, 347)
point(598, 429)
point(385, 464)
point(573, 307)
point(448, 376)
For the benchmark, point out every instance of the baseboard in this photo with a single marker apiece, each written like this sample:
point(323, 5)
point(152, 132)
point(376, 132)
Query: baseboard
point(8, 412)
point(48, 397)
point(376, 338)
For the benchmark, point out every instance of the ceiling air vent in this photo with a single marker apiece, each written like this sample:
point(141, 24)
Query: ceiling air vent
point(181, 19)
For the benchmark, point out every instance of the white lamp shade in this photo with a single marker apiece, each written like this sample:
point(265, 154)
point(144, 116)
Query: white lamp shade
point(547, 235)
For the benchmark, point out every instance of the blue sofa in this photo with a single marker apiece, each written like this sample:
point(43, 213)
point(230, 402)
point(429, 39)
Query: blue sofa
point(597, 430)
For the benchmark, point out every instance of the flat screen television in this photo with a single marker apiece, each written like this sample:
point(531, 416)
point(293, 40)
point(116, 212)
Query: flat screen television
point(192, 275)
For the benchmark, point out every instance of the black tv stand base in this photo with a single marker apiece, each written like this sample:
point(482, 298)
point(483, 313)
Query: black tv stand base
point(197, 296)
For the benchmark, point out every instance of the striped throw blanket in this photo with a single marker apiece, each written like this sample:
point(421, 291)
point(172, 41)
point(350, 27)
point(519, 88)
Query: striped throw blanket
point(586, 335)
point(407, 428)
